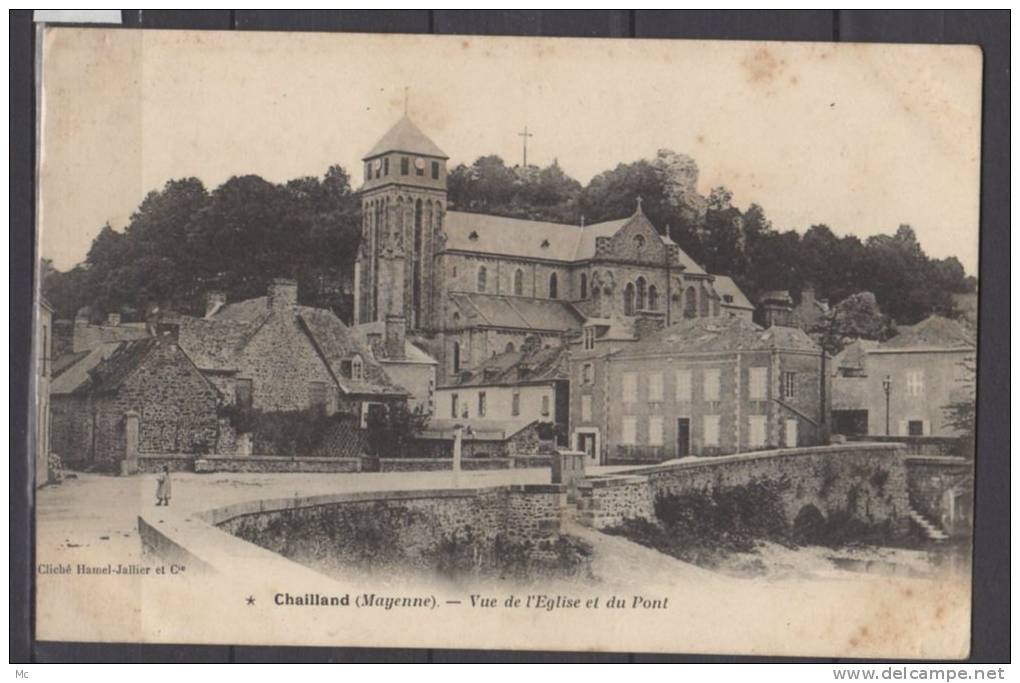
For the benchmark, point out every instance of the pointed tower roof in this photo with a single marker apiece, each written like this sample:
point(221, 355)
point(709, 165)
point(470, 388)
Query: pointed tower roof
point(406, 137)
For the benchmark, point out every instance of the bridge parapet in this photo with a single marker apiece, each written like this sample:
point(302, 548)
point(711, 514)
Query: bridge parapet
point(867, 481)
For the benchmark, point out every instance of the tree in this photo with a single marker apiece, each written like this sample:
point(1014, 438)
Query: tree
point(961, 414)
point(392, 432)
point(855, 317)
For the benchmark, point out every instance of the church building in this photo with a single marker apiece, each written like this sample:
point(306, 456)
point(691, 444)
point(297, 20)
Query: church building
point(470, 286)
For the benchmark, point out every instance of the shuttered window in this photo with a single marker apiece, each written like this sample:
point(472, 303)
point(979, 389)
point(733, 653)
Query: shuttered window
point(683, 386)
point(628, 434)
point(712, 430)
point(629, 387)
point(655, 430)
point(655, 387)
point(756, 383)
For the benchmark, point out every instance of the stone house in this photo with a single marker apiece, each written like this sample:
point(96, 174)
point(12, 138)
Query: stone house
point(403, 362)
point(927, 367)
point(272, 354)
point(151, 378)
point(711, 386)
point(522, 385)
point(470, 286)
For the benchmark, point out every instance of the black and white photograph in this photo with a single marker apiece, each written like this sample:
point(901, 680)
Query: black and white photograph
point(562, 344)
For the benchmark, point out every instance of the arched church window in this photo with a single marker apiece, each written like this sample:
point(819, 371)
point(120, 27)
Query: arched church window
point(456, 356)
point(642, 291)
point(584, 286)
point(639, 241)
point(357, 368)
point(628, 299)
point(509, 347)
point(456, 319)
point(553, 286)
point(483, 276)
point(691, 303)
point(518, 282)
point(596, 297)
point(653, 298)
point(704, 304)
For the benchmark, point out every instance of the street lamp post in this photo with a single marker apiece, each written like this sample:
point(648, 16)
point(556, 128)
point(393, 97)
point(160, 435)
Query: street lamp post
point(887, 388)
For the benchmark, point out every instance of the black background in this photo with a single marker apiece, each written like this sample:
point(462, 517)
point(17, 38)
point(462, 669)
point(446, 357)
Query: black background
point(990, 30)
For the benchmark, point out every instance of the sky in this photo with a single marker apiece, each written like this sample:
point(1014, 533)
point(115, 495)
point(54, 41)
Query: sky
point(859, 137)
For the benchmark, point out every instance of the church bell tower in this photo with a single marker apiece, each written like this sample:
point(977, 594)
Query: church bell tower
point(403, 202)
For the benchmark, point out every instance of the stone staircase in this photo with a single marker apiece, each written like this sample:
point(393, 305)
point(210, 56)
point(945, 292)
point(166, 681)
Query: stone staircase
point(930, 530)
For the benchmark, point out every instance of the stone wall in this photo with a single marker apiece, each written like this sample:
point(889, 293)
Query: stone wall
point(406, 528)
point(282, 363)
point(442, 464)
point(867, 481)
point(942, 489)
point(607, 502)
point(255, 463)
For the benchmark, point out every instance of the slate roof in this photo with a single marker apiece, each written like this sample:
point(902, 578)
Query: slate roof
point(496, 310)
point(110, 374)
point(541, 366)
point(404, 136)
point(412, 354)
point(249, 309)
point(932, 332)
point(720, 335)
point(337, 343)
point(76, 375)
point(213, 344)
point(524, 238)
point(65, 361)
point(725, 286)
point(854, 355)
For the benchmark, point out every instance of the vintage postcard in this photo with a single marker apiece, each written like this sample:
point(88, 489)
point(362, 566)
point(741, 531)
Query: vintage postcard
point(510, 343)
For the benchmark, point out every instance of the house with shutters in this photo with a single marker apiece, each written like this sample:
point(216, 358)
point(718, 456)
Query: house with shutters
point(926, 367)
point(515, 387)
point(646, 392)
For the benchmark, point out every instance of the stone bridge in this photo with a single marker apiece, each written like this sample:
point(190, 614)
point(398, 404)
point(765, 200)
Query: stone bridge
point(867, 480)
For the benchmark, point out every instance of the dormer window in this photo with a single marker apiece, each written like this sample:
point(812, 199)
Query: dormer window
point(357, 368)
point(728, 298)
point(589, 338)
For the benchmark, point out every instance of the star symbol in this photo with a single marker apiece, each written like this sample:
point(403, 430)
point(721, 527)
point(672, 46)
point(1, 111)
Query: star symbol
point(250, 599)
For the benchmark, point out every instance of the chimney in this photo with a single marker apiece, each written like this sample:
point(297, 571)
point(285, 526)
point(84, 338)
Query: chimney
point(168, 332)
point(214, 300)
point(396, 327)
point(113, 319)
point(648, 322)
point(281, 293)
point(778, 309)
point(375, 343)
